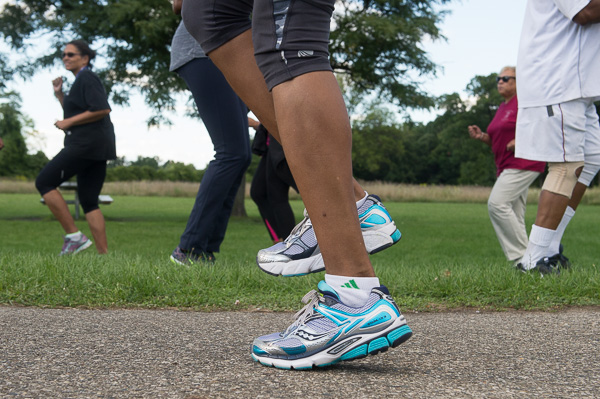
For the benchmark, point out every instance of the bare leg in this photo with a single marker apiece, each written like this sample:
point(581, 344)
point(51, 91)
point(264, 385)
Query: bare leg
point(315, 128)
point(577, 195)
point(95, 220)
point(318, 144)
point(551, 209)
point(57, 205)
point(250, 86)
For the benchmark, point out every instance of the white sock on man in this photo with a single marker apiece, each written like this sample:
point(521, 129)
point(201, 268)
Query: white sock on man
point(353, 291)
point(360, 203)
point(74, 236)
point(560, 230)
point(538, 248)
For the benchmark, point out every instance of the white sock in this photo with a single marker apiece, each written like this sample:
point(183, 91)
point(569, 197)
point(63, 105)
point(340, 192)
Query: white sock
point(74, 236)
point(360, 203)
point(560, 230)
point(353, 291)
point(539, 242)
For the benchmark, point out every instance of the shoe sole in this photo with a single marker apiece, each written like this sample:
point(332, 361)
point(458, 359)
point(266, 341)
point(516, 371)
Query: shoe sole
point(361, 346)
point(375, 241)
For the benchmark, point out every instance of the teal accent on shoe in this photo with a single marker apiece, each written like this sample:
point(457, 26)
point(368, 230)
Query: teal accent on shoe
point(326, 288)
point(396, 236)
point(303, 368)
point(380, 318)
point(295, 275)
point(258, 351)
point(296, 350)
point(352, 326)
point(397, 333)
point(280, 367)
point(330, 364)
point(376, 219)
point(377, 344)
point(335, 336)
point(356, 352)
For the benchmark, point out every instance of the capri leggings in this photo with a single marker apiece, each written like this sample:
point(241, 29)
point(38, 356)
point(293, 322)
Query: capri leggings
point(90, 177)
point(290, 38)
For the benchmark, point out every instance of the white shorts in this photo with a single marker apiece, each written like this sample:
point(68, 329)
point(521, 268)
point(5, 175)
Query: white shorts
point(557, 133)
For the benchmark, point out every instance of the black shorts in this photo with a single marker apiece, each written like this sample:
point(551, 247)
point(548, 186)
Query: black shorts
point(90, 177)
point(291, 37)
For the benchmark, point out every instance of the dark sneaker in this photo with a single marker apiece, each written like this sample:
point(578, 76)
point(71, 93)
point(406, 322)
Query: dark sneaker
point(548, 265)
point(71, 247)
point(564, 262)
point(184, 258)
point(326, 331)
point(299, 254)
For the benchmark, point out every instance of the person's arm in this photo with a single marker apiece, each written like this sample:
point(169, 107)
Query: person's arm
point(476, 133)
point(253, 123)
point(81, 119)
point(58, 93)
point(177, 6)
point(589, 14)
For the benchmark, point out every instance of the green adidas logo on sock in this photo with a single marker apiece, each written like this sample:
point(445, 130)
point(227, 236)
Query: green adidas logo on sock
point(350, 284)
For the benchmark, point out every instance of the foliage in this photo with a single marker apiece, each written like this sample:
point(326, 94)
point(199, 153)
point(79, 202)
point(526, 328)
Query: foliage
point(439, 152)
point(148, 168)
point(15, 161)
point(375, 44)
point(131, 36)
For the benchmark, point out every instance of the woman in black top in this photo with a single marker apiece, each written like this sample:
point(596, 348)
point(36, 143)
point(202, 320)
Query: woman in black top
point(89, 143)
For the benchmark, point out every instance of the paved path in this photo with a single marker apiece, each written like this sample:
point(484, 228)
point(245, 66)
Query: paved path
point(58, 353)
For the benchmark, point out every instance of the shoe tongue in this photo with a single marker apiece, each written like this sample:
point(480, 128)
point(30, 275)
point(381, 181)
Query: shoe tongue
point(327, 290)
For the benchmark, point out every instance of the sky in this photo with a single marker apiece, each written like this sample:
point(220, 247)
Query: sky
point(482, 37)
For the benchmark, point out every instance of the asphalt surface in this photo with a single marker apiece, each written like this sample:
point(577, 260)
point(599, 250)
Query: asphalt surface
point(72, 353)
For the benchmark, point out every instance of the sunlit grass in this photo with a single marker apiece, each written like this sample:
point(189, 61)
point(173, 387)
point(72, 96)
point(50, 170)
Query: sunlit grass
point(448, 258)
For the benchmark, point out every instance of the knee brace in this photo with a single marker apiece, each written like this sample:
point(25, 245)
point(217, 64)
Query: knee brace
point(562, 177)
point(590, 169)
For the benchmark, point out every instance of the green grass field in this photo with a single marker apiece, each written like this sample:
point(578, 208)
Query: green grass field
point(448, 258)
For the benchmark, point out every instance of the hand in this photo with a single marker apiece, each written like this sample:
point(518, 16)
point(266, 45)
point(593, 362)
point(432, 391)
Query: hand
point(57, 85)
point(63, 125)
point(475, 132)
point(254, 124)
point(511, 146)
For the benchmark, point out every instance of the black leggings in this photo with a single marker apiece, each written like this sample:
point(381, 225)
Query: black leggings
point(270, 191)
point(90, 177)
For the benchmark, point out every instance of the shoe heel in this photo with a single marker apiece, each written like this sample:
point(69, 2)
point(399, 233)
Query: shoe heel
point(399, 336)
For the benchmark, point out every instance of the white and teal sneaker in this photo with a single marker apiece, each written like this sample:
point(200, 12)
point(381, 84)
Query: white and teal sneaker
point(299, 254)
point(326, 331)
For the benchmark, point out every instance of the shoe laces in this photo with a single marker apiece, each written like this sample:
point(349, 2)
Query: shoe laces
point(311, 301)
point(298, 230)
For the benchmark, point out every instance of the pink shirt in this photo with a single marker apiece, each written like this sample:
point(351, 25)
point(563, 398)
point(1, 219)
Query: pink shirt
point(502, 131)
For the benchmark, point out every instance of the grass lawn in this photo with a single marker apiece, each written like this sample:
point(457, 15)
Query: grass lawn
point(448, 258)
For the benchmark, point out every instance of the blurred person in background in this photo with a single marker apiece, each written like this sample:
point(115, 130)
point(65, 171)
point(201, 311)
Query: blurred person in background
point(89, 143)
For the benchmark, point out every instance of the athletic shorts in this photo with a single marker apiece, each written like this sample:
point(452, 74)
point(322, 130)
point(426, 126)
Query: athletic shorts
point(558, 133)
point(290, 38)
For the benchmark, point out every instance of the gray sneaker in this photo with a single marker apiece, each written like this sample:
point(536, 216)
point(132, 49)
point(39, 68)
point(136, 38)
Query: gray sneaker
point(71, 246)
point(326, 331)
point(299, 254)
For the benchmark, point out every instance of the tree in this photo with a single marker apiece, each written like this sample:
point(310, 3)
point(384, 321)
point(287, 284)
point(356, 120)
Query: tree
point(14, 158)
point(375, 44)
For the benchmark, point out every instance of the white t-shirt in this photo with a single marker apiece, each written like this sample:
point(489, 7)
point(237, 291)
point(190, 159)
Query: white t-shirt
point(558, 60)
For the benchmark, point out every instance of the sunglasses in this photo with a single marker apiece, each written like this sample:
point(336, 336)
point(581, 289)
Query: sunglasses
point(505, 79)
point(69, 55)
